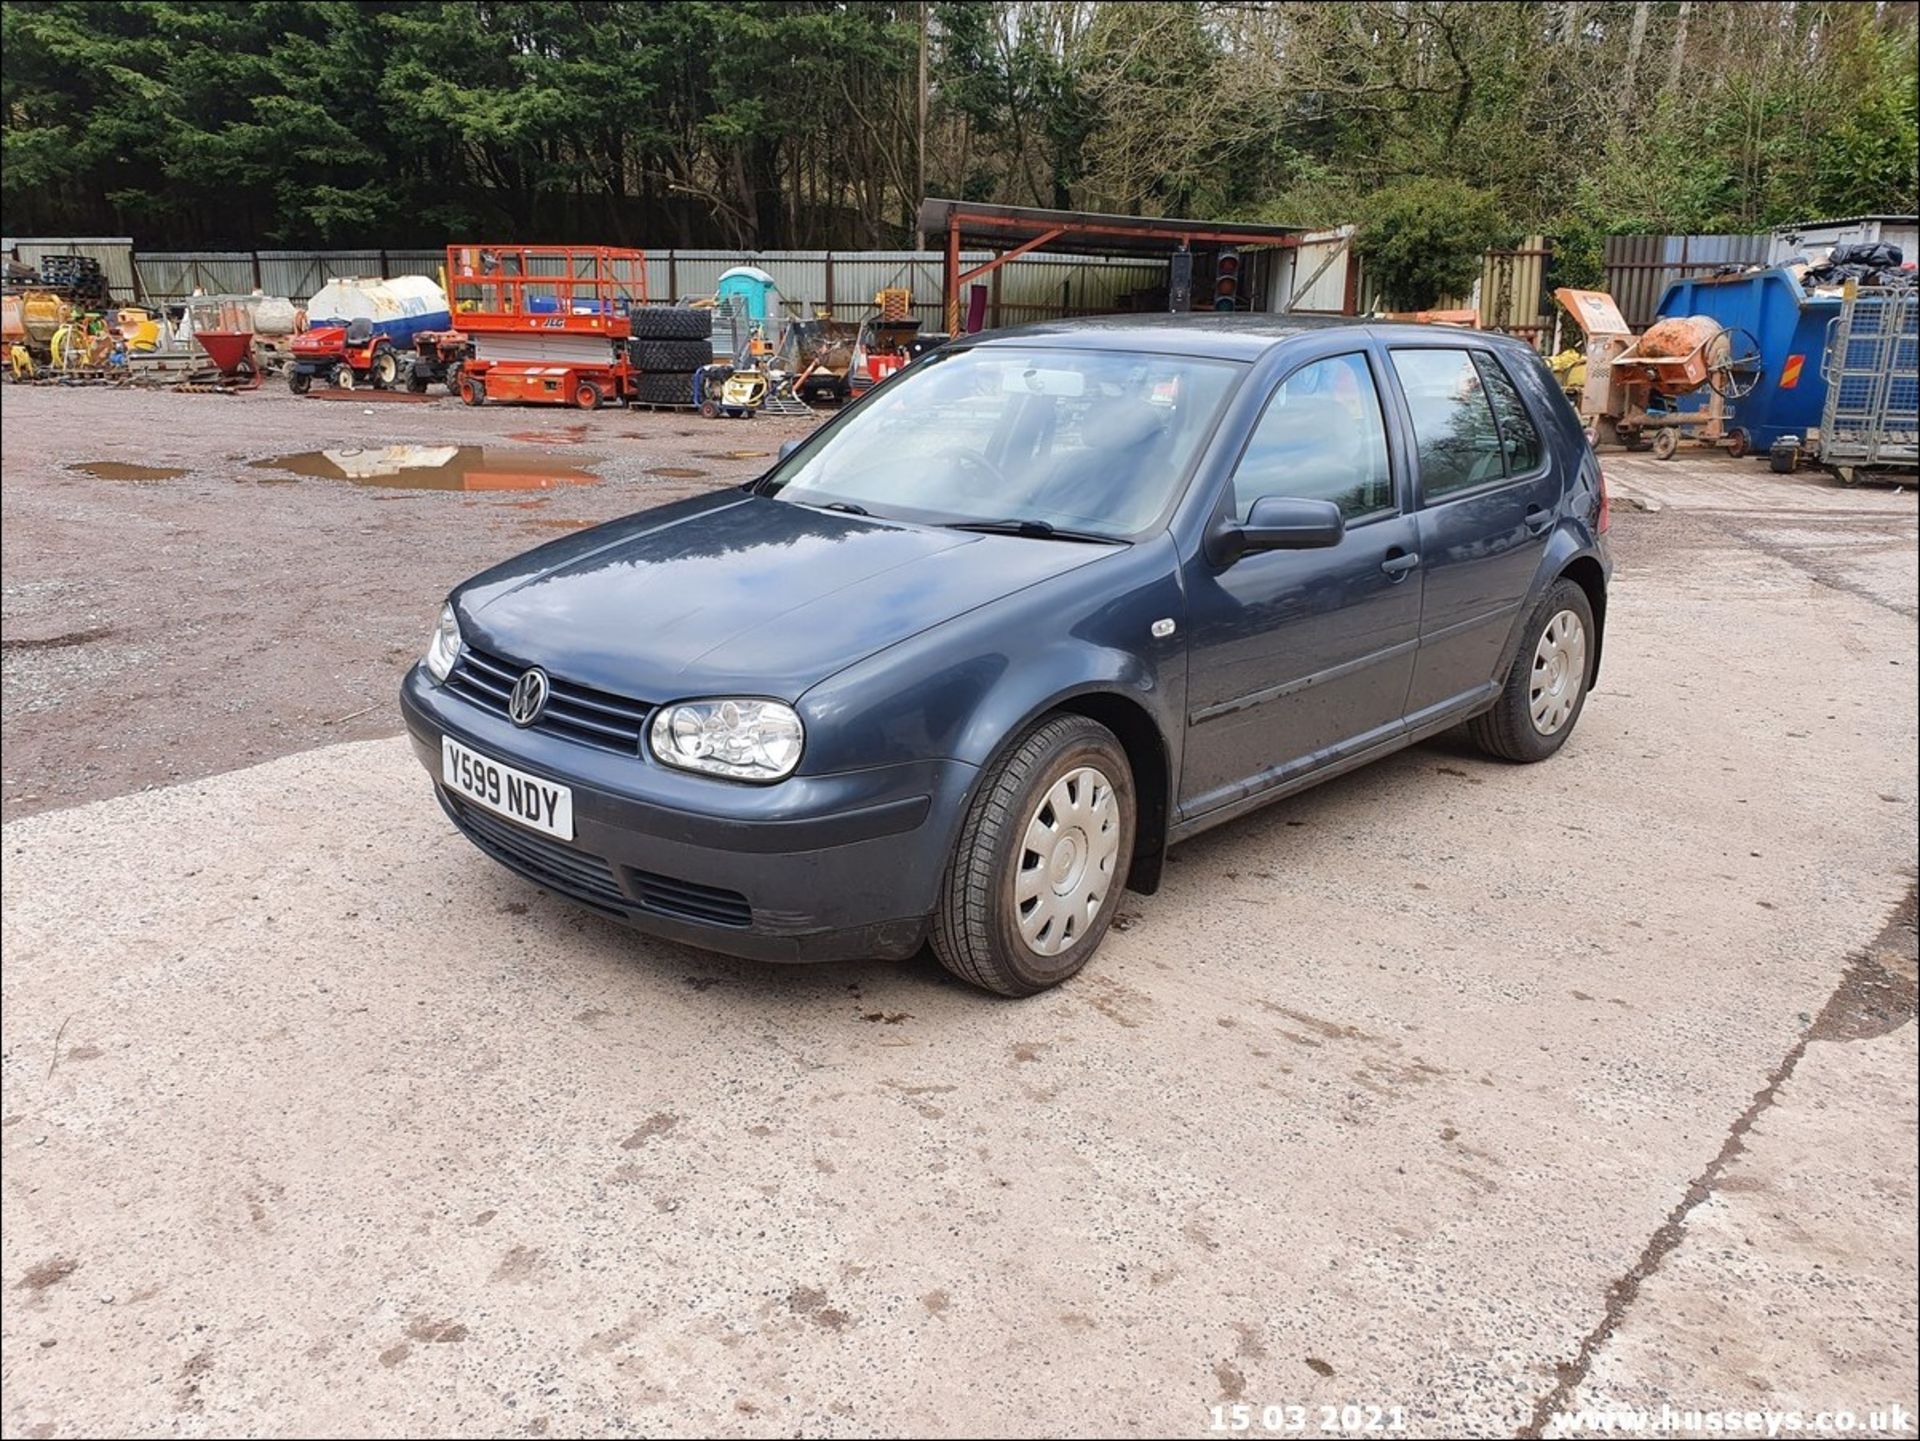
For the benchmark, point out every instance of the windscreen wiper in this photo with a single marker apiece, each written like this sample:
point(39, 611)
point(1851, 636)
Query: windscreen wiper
point(1033, 529)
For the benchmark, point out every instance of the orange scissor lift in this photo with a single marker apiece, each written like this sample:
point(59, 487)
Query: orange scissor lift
point(548, 322)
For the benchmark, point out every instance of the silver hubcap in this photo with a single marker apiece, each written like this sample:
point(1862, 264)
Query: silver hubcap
point(1559, 670)
point(1067, 856)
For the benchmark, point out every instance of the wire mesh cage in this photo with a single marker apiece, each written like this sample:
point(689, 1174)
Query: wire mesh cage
point(1872, 414)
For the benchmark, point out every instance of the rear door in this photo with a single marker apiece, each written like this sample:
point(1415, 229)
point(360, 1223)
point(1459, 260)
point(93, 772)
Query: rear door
point(1488, 490)
point(1299, 657)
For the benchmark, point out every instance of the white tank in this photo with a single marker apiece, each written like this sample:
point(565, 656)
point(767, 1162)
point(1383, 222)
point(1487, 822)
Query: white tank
point(273, 315)
point(399, 307)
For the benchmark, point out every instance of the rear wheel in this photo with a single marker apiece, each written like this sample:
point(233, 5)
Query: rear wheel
point(416, 383)
point(588, 395)
point(473, 390)
point(1042, 858)
point(1547, 687)
point(1665, 443)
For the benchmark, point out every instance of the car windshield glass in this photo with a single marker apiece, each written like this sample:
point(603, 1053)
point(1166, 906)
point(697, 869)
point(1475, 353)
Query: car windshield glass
point(1077, 440)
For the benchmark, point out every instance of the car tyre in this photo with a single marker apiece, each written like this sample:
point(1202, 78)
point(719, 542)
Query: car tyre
point(1071, 769)
point(1535, 713)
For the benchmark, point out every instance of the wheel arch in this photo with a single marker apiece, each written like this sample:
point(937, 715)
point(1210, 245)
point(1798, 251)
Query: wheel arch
point(1585, 571)
point(1139, 735)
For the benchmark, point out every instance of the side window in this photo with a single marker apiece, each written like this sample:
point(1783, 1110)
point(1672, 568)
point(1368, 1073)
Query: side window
point(1517, 436)
point(1453, 425)
point(1321, 437)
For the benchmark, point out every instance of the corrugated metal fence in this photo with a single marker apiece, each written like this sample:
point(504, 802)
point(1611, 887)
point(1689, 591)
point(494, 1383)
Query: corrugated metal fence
point(1640, 267)
point(1035, 287)
point(115, 254)
point(1511, 295)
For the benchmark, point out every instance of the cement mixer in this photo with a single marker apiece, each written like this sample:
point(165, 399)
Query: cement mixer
point(1638, 385)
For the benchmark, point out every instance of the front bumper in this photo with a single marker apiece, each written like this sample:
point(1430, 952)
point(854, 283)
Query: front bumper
point(816, 868)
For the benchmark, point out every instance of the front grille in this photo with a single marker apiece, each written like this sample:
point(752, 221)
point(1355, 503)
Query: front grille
point(587, 878)
point(576, 712)
point(557, 867)
point(708, 905)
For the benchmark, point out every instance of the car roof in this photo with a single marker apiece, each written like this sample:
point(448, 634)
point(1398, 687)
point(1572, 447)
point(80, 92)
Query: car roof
point(1240, 337)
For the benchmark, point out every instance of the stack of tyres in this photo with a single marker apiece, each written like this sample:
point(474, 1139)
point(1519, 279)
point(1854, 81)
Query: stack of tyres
point(667, 345)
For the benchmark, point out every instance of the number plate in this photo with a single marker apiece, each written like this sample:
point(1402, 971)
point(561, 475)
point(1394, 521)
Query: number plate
point(536, 804)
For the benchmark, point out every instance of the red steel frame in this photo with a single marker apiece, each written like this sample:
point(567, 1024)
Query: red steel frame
point(501, 283)
point(1205, 232)
point(580, 290)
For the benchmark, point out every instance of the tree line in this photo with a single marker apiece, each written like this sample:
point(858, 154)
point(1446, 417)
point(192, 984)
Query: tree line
point(791, 123)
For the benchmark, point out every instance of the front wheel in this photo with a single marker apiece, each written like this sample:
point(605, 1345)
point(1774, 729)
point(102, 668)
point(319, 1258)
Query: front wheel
point(299, 381)
point(588, 395)
point(343, 377)
point(1547, 687)
point(473, 390)
point(1042, 858)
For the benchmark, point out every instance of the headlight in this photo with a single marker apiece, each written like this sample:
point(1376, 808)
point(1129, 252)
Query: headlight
point(749, 740)
point(444, 649)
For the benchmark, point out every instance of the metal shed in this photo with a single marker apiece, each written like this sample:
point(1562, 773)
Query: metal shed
point(1011, 231)
point(1814, 238)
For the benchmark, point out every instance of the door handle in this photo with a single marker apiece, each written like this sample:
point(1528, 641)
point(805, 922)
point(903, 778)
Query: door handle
point(1398, 564)
point(1538, 519)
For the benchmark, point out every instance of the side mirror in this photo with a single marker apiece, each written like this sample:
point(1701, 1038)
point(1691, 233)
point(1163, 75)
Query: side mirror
point(789, 447)
point(1277, 522)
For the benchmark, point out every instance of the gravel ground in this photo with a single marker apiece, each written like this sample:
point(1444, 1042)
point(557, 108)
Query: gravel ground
point(158, 631)
point(1479, 1091)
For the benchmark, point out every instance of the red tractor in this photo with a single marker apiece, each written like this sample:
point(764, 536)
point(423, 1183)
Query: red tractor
point(438, 355)
point(346, 356)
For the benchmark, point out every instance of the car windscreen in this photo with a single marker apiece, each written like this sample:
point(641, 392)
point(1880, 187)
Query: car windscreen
point(1083, 440)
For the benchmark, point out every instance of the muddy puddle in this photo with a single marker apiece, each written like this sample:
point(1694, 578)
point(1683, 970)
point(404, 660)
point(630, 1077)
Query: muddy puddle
point(120, 470)
point(436, 467)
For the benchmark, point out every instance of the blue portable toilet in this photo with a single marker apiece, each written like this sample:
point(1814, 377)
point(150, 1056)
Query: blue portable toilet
point(755, 287)
point(1790, 328)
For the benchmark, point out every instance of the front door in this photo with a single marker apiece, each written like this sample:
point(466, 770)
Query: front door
point(1297, 658)
point(1490, 492)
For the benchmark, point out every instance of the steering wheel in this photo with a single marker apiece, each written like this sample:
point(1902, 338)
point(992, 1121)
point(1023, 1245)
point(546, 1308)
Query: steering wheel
point(976, 463)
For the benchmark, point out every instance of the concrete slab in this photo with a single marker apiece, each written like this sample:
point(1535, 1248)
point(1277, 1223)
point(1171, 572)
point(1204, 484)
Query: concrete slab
point(317, 1121)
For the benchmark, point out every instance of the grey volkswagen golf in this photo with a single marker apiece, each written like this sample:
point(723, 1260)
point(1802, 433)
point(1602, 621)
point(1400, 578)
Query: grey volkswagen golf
point(964, 664)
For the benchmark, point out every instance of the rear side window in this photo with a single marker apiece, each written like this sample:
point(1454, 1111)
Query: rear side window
point(1321, 437)
point(1453, 426)
point(1518, 439)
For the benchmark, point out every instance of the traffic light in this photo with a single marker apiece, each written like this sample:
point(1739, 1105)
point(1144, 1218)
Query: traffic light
point(1226, 280)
